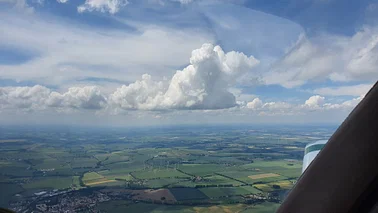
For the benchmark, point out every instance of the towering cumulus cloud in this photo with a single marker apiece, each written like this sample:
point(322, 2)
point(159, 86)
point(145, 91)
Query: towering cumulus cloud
point(203, 84)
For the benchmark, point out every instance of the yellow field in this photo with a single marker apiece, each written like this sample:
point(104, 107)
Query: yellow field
point(268, 187)
point(266, 175)
point(221, 209)
point(284, 184)
point(93, 178)
point(100, 182)
point(263, 187)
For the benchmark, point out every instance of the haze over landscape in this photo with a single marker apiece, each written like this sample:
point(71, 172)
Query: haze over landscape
point(173, 106)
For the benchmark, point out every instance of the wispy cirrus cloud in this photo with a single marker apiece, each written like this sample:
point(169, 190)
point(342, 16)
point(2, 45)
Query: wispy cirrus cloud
point(354, 90)
point(328, 57)
point(61, 54)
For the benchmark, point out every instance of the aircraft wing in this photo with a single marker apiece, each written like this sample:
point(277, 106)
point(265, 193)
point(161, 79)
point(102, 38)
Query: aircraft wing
point(343, 177)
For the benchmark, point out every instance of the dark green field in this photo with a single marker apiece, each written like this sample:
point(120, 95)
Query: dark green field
point(182, 194)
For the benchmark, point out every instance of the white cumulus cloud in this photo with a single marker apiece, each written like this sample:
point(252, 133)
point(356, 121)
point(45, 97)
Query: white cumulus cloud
point(28, 98)
point(315, 101)
point(111, 6)
point(41, 98)
point(203, 84)
point(255, 104)
point(89, 97)
point(62, 1)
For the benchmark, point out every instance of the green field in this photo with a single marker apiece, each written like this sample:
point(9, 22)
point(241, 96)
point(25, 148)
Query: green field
point(184, 183)
point(163, 173)
point(277, 164)
point(125, 177)
point(215, 192)
point(201, 169)
point(114, 157)
point(124, 167)
point(76, 182)
point(16, 171)
point(160, 183)
point(91, 176)
point(266, 207)
point(50, 164)
point(219, 180)
point(84, 163)
point(50, 183)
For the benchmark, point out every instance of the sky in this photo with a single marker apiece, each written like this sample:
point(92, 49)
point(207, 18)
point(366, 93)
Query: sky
point(167, 62)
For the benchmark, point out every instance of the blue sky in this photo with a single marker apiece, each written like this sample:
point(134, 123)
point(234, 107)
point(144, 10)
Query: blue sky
point(185, 61)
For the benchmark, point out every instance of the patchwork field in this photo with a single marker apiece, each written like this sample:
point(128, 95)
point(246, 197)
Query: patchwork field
point(126, 206)
point(207, 169)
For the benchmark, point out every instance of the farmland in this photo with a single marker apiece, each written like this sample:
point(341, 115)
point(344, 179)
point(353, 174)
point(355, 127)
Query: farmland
point(194, 169)
point(53, 182)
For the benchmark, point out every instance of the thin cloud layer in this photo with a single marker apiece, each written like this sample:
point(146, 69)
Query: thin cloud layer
point(355, 90)
point(328, 57)
point(61, 54)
